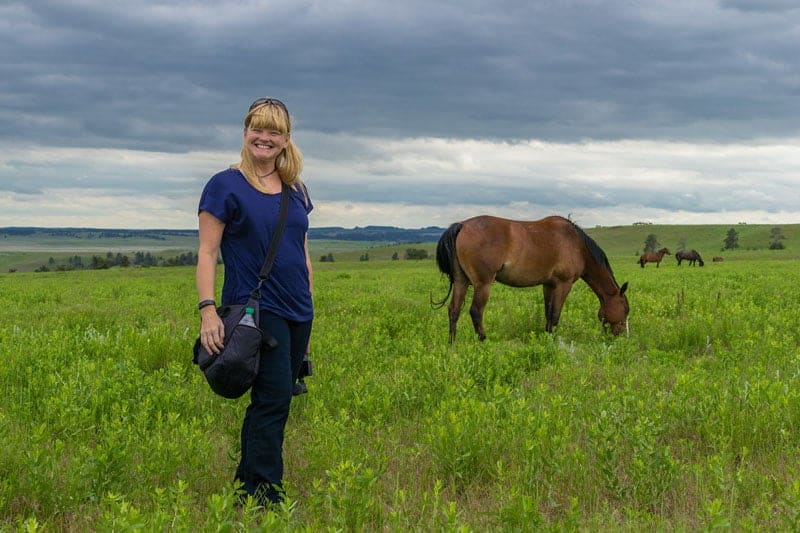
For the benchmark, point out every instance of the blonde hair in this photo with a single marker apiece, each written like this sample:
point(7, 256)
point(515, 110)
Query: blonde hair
point(289, 162)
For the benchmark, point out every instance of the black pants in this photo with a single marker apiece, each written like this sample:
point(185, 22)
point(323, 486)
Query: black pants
point(261, 465)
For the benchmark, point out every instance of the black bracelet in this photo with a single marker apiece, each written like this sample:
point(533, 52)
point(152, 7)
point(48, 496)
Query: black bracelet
point(206, 303)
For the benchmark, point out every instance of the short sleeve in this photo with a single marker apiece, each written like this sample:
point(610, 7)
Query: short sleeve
point(218, 199)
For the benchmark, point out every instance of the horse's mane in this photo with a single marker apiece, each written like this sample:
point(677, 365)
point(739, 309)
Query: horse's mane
point(597, 253)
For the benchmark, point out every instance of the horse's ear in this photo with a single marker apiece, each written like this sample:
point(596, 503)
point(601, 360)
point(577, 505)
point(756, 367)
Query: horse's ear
point(623, 288)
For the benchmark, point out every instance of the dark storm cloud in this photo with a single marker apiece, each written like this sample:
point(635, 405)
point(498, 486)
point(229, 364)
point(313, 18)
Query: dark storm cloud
point(699, 199)
point(761, 6)
point(174, 76)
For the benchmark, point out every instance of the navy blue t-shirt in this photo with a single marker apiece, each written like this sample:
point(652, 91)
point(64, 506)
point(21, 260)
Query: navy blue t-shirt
point(250, 218)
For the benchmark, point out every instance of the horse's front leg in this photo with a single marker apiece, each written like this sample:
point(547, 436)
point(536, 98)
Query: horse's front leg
point(554, 296)
point(547, 291)
point(479, 299)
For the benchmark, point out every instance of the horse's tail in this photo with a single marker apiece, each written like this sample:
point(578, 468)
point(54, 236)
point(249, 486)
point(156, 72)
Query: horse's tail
point(641, 261)
point(446, 250)
point(447, 260)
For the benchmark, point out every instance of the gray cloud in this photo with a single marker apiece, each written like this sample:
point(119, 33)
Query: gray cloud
point(156, 76)
point(366, 81)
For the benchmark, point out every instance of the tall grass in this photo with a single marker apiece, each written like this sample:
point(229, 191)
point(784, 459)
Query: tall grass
point(690, 423)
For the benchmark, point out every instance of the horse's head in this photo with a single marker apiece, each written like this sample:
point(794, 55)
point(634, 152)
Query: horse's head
point(614, 311)
point(664, 251)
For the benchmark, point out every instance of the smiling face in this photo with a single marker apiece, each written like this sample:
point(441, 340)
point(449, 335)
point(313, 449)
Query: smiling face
point(265, 144)
point(266, 131)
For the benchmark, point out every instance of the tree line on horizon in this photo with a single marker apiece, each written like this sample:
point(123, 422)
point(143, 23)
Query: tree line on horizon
point(99, 262)
point(410, 254)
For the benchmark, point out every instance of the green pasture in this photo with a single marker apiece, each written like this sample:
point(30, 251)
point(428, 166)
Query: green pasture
point(691, 423)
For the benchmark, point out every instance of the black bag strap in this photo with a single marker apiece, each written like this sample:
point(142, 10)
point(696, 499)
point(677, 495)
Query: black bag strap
point(272, 251)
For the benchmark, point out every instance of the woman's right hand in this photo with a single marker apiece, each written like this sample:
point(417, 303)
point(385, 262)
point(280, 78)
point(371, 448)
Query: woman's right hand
point(212, 331)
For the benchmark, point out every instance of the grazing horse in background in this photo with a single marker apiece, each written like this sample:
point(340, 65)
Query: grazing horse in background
point(717, 259)
point(653, 257)
point(552, 252)
point(691, 256)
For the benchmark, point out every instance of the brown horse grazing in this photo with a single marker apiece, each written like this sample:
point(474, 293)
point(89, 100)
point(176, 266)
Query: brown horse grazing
point(692, 256)
point(552, 252)
point(653, 257)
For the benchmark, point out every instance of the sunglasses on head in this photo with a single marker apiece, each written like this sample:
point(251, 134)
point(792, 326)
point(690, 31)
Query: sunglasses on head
point(268, 101)
point(271, 101)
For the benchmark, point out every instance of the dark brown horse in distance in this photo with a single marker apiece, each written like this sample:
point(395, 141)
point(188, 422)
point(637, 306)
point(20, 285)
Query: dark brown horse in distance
point(689, 255)
point(653, 257)
point(552, 252)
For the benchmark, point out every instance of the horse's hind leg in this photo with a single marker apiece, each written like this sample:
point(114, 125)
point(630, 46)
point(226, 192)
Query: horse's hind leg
point(456, 302)
point(479, 300)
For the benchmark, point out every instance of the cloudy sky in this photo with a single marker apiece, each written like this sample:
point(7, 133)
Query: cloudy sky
point(410, 113)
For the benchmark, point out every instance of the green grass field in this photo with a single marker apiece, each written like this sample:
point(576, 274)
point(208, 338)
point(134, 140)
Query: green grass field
point(690, 423)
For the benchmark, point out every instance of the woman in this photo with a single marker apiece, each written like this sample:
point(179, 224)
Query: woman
point(238, 214)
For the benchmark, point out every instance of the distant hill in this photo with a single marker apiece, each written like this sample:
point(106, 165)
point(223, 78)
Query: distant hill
point(367, 233)
point(708, 239)
point(96, 233)
point(377, 233)
point(25, 249)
